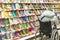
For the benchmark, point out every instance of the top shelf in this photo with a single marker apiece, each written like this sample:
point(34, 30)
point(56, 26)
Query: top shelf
point(32, 3)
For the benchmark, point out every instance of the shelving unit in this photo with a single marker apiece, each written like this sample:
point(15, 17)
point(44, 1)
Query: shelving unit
point(19, 19)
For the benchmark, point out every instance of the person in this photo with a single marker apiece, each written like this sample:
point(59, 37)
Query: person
point(46, 18)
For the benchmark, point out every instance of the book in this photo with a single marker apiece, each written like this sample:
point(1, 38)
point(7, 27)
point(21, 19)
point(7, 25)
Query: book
point(38, 1)
point(10, 15)
point(4, 14)
point(6, 1)
point(29, 18)
point(17, 6)
point(14, 13)
point(18, 27)
point(26, 13)
point(1, 22)
point(25, 6)
point(8, 7)
point(28, 1)
point(32, 1)
point(11, 21)
point(8, 28)
point(35, 11)
point(22, 1)
point(17, 1)
point(24, 19)
point(31, 12)
point(22, 13)
point(12, 1)
point(0, 15)
point(19, 14)
point(0, 7)
point(13, 6)
point(28, 25)
point(31, 6)
point(21, 6)
point(15, 21)
point(23, 25)
point(6, 22)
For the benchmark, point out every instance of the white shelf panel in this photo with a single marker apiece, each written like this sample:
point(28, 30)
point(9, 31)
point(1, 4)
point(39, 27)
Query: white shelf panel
point(27, 37)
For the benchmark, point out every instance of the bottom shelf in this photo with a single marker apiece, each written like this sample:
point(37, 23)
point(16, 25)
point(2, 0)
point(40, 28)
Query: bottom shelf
point(27, 37)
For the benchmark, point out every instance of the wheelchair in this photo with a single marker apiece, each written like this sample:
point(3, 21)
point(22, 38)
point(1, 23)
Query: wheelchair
point(49, 29)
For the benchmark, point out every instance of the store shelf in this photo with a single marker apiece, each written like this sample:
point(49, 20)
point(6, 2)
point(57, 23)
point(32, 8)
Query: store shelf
point(30, 9)
point(27, 37)
point(31, 3)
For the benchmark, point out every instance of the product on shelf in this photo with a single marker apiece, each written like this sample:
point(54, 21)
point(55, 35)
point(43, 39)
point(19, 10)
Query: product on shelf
point(35, 11)
point(8, 28)
point(25, 6)
point(13, 6)
point(31, 6)
point(12, 1)
point(17, 26)
point(32, 1)
point(22, 1)
point(22, 13)
point(23, 25)
point(6, 22)
point(28, 25)
point(8, 7)
point(17, 6)
point(19, 14)
point(26, 13)
point(22, 32)
point(38, 1)
point(1, 22)
point(31, 12)
point(14, 13)
point(0, 7)
point(4, 14)
point(15, 21)
point(21, 6)
point(11, 21)
point(10, 15)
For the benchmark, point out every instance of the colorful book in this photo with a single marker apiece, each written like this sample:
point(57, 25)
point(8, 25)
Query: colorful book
point(22, 1)
point(8, 7)
point(17, 6)
point(35, 11)
point(14, 13)
point(31, 12)
point(31, 6)
point(19, 14)
point(10, 15)
point(28, 1)
point(17, 26)
point(22, 13)
point(12, 0)
point(21, 6)
point(10, 21)
point(13, 6)
point(25, 6)
point(6, 22)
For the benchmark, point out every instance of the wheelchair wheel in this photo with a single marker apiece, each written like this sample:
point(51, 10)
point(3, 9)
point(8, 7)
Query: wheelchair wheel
point(55, 35)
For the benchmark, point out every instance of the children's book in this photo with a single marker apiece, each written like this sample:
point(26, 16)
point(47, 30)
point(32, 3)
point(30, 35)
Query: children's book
point(17, 6)
point(6, 22)
point(8, 7)
point(14, 13)
point(22, 13)
point(13, 6)
point(10, 15)
point(31, 6)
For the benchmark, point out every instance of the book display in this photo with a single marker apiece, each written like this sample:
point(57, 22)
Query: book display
point(19, 18)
